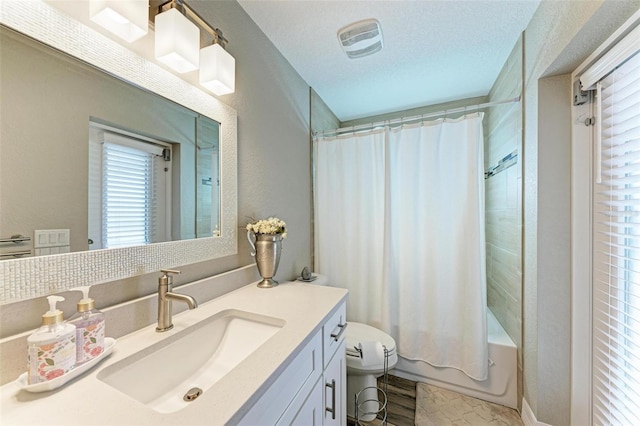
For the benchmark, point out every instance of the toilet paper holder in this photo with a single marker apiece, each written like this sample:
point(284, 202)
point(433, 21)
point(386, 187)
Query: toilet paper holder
point(365, 401)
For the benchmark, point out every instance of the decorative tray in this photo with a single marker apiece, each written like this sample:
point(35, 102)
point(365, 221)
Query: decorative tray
point(313, 278)
point(22, 381)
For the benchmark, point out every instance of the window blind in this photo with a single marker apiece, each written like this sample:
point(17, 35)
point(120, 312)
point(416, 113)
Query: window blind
point(616, 275)
point(616, 55)
point(131, 179)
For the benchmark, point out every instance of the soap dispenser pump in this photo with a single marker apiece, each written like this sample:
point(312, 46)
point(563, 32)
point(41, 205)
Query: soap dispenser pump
point(89, 324)
point(51, 348)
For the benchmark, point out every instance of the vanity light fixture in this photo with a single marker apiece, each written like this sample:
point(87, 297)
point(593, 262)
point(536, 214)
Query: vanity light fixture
point(128, 19)
point(217, 66)
point(177, 39)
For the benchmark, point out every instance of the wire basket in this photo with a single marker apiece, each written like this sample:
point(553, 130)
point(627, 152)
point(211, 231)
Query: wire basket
point(371, 402)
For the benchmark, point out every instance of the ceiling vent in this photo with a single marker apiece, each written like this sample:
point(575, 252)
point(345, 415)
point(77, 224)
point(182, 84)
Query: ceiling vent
point(361, 39)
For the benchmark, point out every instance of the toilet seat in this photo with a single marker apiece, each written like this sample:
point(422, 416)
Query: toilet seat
point(358, 332)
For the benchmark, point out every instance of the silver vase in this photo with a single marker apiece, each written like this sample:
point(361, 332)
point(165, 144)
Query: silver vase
point(266, 248)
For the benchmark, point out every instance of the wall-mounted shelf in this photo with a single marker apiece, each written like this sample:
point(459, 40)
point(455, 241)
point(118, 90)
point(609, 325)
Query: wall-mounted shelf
point(16, 254)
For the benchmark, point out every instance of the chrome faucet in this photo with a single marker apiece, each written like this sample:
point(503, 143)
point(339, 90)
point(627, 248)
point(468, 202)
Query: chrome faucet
point(165, 296)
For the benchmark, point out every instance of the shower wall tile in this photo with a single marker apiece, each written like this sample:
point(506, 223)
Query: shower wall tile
point(502, 229)
point(507, 308)
point(513, 186)
point(495, 298)
point(496, 192)
point(506, 271)
point(503, 203)
point(501, 133)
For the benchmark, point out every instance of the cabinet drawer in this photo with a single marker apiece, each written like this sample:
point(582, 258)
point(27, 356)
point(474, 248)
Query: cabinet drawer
point(333, 332)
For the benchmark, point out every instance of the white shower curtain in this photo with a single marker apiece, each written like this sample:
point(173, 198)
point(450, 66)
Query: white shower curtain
point(400, 223)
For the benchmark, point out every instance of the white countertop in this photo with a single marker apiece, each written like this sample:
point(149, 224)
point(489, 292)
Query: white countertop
point(89, 401)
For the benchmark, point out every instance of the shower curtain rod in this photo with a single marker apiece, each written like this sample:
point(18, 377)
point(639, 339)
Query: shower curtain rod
point(404, 120)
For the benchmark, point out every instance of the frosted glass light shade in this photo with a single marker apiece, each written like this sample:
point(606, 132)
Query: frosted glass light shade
point(177, 41)
point(128, 19)
point(217, 70)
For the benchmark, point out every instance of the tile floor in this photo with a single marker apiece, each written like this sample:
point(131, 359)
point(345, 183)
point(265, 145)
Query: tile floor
point(440, 407)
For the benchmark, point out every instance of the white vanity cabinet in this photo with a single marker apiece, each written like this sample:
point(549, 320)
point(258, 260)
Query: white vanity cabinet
point(311, 390)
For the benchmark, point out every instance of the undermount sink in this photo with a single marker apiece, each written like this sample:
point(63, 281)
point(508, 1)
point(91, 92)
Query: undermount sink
point(170, 374)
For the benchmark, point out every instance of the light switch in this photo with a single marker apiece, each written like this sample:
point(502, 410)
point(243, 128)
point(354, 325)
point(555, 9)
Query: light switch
point(63, 238)
point(51, 237)
point(41, 239)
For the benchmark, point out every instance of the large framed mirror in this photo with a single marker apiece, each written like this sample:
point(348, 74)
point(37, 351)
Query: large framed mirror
point(36, 276)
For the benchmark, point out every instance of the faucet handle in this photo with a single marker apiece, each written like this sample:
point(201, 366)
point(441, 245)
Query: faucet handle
point(166, 279)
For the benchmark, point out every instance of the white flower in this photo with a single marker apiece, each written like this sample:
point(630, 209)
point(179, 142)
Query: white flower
point(273, 225)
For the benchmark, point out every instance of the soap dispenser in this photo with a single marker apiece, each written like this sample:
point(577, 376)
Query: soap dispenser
point(52, 348)
point(89, 323)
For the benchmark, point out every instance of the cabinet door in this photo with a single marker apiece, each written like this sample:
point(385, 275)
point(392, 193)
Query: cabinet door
point(290, 389)
point(335, 389)
point(310, 414)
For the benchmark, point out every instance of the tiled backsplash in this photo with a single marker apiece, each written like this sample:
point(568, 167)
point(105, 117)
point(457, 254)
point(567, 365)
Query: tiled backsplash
point(35, 276)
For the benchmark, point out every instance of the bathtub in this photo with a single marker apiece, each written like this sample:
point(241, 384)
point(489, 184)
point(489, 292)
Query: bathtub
point(501, 386)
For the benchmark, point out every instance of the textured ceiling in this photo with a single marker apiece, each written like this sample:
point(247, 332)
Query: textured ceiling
point(434, 50)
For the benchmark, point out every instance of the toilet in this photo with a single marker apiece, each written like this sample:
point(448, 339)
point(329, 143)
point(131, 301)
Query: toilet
point(364, 368)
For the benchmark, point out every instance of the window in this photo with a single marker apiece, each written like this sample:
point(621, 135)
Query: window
point(129, 190)
point(616, 245)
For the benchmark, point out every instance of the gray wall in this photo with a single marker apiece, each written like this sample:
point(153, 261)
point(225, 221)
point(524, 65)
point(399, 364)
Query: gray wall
point(322, 118)
point(554, 248)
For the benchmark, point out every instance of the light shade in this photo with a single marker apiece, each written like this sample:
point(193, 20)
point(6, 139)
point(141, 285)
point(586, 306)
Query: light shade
point(177, 41)
point(128, 19)
point(217, 70)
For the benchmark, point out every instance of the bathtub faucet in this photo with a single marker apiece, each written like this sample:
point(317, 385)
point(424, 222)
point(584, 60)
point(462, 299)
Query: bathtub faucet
point(165, 296)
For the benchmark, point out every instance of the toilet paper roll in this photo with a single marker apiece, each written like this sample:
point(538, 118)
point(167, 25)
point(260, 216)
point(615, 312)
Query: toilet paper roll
point(371, 353)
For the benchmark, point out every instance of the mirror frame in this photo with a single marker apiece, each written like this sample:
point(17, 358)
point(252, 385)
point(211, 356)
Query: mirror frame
point(38, 276)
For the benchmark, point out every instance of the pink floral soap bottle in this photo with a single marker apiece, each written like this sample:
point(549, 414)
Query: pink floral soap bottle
point(52, 348)
point(89, 323)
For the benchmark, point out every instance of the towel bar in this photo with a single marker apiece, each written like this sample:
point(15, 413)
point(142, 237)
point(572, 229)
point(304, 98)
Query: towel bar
point(16, 254)
point(15, 239)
